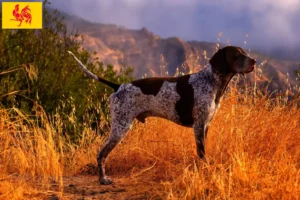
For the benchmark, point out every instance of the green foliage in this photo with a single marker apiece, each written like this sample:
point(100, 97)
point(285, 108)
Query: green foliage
point(35, 68)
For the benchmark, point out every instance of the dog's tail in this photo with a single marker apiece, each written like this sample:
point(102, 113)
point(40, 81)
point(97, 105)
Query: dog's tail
point(90, 74)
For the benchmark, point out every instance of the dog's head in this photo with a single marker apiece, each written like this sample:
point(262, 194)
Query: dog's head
point(232, 59)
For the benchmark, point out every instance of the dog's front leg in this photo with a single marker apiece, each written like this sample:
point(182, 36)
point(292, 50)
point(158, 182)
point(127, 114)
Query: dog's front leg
point(200, 131)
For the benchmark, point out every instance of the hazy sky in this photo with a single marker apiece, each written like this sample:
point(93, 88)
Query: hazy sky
point(269, 23)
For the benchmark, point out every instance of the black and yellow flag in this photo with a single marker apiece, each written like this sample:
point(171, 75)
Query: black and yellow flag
point(22, 15)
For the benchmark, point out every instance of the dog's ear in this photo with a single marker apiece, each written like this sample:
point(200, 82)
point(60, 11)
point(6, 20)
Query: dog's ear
point(217, 59)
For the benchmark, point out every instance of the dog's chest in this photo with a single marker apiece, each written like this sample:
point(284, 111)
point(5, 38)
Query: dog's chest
point(204, 97)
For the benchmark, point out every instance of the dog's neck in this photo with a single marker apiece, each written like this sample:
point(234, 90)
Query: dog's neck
point(220, 81)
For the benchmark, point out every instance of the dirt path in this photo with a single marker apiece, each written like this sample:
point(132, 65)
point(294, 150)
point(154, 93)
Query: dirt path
point(86, 187)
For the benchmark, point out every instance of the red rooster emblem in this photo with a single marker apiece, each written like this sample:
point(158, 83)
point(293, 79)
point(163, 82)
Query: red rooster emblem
point(25, 14)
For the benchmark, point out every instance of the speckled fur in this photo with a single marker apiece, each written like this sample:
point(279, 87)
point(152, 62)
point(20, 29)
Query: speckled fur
point(129, 102)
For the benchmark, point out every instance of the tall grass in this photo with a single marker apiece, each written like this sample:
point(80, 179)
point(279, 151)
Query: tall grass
point(28, 152)
point(252, 153)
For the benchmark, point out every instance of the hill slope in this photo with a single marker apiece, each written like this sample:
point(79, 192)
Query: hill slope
point(151, 55)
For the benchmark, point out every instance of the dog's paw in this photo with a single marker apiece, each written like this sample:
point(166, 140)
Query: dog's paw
point(105, 181)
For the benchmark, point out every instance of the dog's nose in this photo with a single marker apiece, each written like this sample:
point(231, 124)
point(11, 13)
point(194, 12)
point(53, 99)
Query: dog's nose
point(252, 61)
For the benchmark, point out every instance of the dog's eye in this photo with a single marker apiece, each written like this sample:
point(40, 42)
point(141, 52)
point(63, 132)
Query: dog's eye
point(237, 55)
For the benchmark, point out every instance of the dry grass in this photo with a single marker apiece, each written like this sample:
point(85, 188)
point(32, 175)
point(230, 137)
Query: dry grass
point(252, 153)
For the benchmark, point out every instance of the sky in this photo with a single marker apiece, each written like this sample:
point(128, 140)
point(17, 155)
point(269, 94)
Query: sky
point(263, 24)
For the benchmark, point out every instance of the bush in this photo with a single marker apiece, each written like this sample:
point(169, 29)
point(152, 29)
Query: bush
point(35, 68)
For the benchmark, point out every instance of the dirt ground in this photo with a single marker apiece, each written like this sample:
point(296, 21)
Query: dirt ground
point(86, 187)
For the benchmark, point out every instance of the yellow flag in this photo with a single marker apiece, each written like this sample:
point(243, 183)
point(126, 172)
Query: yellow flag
point(22, 15)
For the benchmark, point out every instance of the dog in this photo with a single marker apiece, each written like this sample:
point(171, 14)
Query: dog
point(191, 100)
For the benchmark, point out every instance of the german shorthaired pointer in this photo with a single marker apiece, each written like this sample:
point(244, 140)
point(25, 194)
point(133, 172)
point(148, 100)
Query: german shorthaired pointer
point(191, 100)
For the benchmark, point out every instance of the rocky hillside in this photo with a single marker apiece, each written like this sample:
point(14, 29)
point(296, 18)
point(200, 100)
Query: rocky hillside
point(151, 55)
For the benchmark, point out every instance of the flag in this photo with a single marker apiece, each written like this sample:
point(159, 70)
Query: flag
point(22, 15)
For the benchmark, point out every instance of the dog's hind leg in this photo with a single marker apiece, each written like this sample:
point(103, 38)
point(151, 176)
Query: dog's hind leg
point(120, 126)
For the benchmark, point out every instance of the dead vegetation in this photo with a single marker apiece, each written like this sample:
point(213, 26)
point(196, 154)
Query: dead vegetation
point(252, 153)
